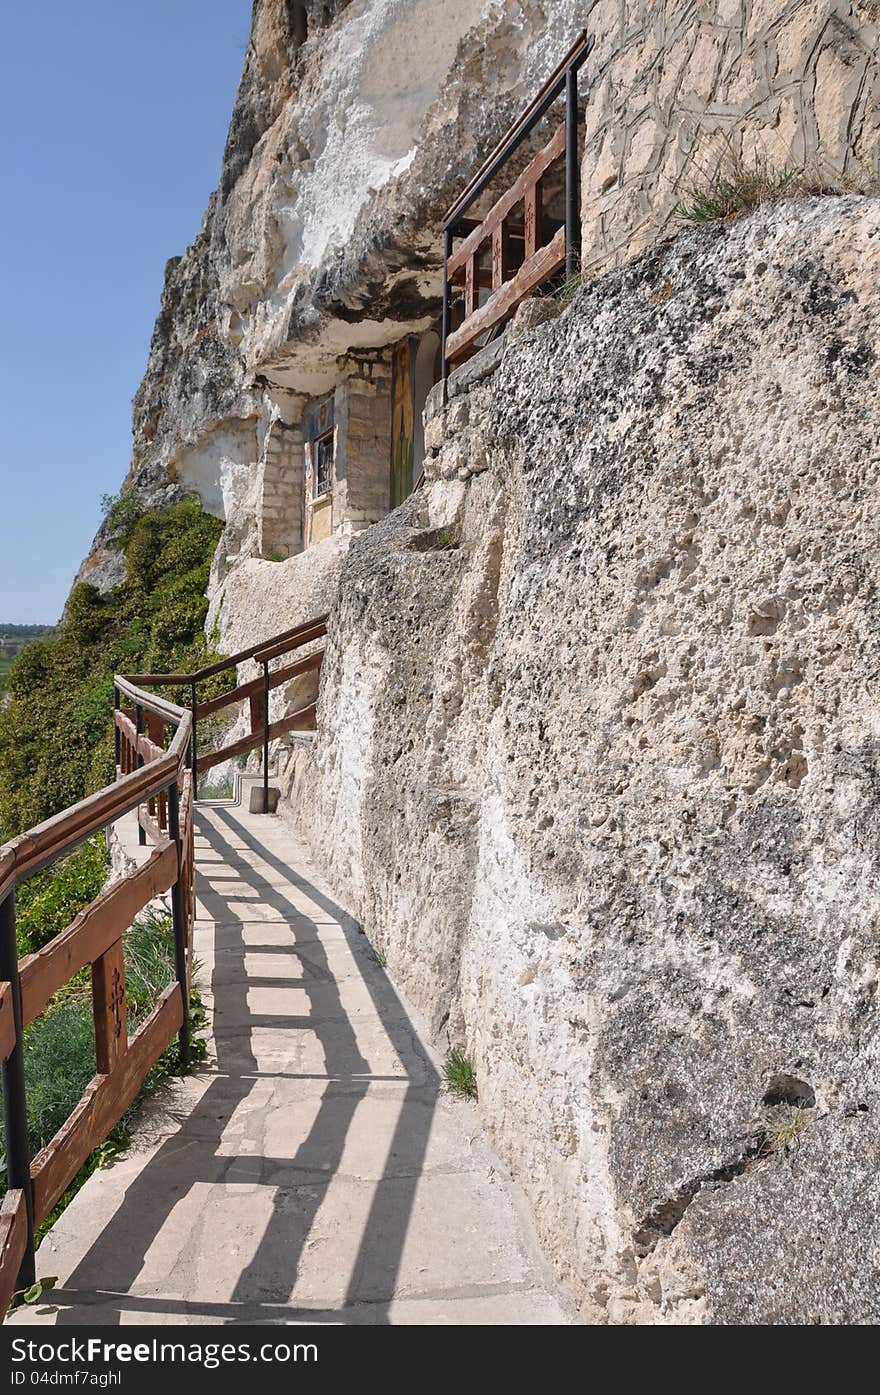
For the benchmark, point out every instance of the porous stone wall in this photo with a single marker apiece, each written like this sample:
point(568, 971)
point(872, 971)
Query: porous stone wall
point(597, 767)
point(280, 509)
point(356, 125)
point(676, 90)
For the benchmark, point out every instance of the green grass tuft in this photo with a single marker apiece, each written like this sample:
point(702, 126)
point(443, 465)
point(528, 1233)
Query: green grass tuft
point(784, 1130)
point(733, 188)
point(560, 294)
point(59, 1062)
point(461, 1078)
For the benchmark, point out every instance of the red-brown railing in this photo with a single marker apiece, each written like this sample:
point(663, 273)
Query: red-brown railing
point(525, 251)
point(151, 776)
point(157, 780)
point(255, 692)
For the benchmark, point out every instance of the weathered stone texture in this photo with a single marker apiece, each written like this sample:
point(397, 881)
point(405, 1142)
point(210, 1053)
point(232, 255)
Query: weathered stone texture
point(677, 88)
point(356, 125)
point(279, 514)
point(597, 766)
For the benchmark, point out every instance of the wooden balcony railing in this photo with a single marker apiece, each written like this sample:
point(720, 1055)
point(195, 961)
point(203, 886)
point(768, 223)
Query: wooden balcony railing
point(255, 692)
point(524, 252)
point(157, 777)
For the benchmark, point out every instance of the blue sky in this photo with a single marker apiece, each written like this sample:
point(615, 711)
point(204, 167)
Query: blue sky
point(114, 116)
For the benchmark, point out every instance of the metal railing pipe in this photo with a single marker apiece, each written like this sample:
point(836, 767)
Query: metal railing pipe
point(553, 87)
point(139, 762)
point(572, 180)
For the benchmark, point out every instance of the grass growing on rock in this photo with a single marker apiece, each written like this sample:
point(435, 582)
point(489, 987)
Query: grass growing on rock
point(560, 294)
point(733, 188)
point(460, 1075)
point(784, 1131)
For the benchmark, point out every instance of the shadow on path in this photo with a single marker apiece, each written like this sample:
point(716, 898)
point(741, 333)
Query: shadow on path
point(192, 1156)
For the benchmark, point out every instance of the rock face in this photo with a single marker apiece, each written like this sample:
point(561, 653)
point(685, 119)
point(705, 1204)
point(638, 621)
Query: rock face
point(680, 90)
point(355, 125)
point(597, 767)
point(596, 755)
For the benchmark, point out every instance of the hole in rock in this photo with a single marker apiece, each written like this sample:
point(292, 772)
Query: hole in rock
point(788, 1089)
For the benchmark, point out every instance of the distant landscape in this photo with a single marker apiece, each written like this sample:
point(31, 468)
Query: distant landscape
point(14, 638)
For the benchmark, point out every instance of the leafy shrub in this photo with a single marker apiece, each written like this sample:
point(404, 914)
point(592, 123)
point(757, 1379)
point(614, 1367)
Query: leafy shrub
point(56, 729)
point(48, 902)
point(121, 512)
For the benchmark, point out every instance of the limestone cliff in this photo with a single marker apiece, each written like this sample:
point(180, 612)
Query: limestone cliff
point(356, 123)
point(597, 767)
point(595, 757)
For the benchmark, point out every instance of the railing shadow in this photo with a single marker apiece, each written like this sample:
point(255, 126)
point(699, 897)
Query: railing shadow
point(192, 1156)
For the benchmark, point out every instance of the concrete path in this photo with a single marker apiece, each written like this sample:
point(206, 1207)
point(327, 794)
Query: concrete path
point(316, 1171)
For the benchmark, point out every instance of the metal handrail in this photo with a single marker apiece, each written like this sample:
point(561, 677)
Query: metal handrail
point(564, 78)
point(254, 652)
point(574, 59)
point(262, 653)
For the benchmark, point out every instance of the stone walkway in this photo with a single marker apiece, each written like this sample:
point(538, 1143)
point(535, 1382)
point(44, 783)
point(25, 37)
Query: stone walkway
point(315, 1171)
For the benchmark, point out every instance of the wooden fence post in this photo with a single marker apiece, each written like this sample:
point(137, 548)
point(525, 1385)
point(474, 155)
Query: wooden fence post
point(109, 1008)
point(18, 1161)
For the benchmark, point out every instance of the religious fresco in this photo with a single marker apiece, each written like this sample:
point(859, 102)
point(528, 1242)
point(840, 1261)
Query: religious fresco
point(402, 416)
point(318, 424)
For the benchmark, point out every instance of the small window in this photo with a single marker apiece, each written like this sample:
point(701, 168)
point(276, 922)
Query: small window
point(323, 448)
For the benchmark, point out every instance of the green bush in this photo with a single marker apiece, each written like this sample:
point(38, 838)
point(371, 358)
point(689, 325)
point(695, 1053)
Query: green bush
point(56, 745)
point(48, 902)
point(56, 729)
point(122, 512)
